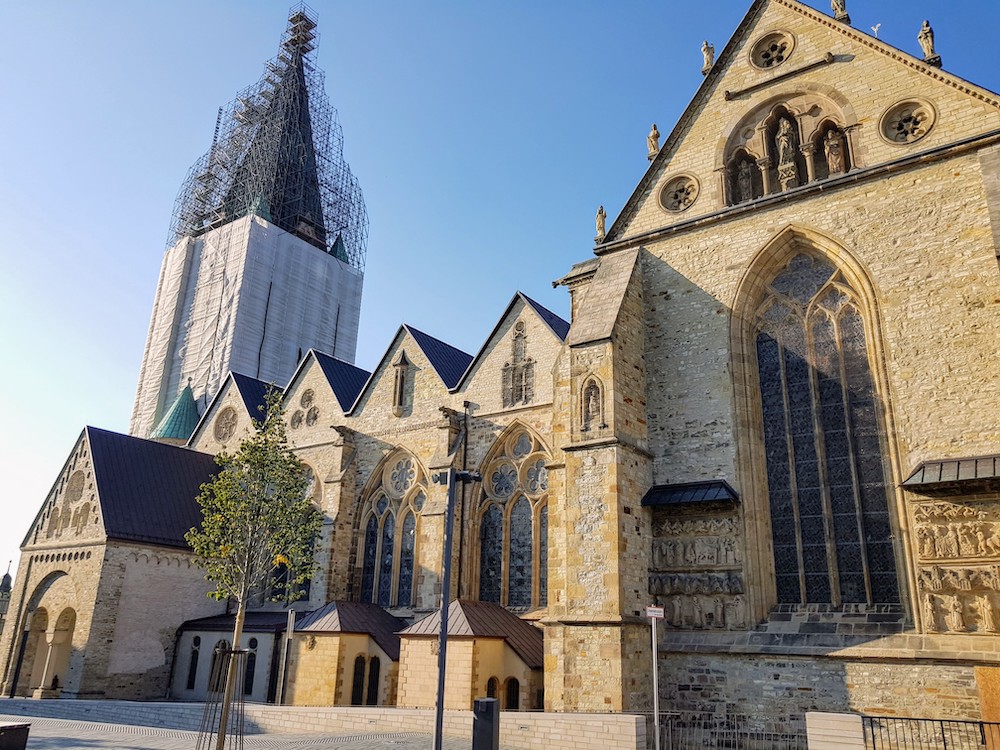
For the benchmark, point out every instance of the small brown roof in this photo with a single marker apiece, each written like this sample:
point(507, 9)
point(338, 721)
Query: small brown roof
point(955, 475)
point(355, 617)
point(486, 620)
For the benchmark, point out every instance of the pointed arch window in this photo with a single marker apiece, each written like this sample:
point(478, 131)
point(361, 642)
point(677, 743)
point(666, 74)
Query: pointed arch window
point(390, 518)
point(823, 441)
point(513, 523)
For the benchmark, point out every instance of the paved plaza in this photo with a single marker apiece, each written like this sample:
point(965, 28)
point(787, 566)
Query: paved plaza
point(64, 734)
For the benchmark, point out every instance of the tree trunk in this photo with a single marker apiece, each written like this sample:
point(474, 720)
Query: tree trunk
point(231, 686)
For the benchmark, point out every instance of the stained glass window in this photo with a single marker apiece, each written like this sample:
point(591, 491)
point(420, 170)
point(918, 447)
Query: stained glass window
point(823, 442)
point(490, 554)
point(370, 555)
point(387, 575)
point(519, 569)
point(404, 590)
point(513, 551)
point(543, 556)
point(385, 564)
point(193, 663)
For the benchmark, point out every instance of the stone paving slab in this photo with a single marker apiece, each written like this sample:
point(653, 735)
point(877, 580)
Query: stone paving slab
point(63, 734)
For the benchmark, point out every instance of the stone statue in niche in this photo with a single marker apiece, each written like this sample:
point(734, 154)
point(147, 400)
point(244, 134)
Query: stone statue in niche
point(653, 142)
point(601, 218)
point(833, 147)
point(926, 39)
point(719, 612)
point(744, 182)
point(956, 616)
point(591, 406)
point(708, 53)
point(930, 623)
point(987, 619)
point(784, 142)
point(698, 612)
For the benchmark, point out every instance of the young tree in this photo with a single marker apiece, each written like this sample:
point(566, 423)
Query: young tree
point(256, 519)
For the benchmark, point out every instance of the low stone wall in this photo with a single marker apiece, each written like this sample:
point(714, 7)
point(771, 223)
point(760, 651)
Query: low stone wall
point(520, 730)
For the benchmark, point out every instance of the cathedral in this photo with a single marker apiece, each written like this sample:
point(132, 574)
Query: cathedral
point(765, 415)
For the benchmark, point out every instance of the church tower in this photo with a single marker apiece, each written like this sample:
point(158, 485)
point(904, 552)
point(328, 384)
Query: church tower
point(267, 246)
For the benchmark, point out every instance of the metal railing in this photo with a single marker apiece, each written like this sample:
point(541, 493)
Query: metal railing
point(696, 731)
point(891, 733)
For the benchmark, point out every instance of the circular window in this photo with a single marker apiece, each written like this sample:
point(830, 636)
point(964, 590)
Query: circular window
point(907, 122)
point(772, 50)
point(225, 424)
point(312, 415)
point(679, 193)
point(307, 398)
point(296, 420)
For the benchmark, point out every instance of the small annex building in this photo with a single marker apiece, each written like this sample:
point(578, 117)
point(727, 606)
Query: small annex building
point(344, 654)
point(492, 653)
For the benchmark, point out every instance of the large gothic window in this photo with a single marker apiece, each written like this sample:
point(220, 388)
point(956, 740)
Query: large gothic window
point(823, 441)
point(513, 524)
point(389, 534)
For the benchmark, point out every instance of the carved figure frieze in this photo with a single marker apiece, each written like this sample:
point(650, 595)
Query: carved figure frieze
point(960, 612)
point(698, 612)
point(951, 530)
point(705, 551)
point(671, 584)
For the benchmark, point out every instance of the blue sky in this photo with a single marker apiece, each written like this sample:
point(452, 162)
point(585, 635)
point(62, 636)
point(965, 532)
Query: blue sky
point(484, 136)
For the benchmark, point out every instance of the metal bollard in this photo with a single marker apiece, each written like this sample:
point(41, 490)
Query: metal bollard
point(486, 724)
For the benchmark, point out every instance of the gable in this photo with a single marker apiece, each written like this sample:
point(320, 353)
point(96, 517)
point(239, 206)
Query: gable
point(831, 76)
point(432, 369)
point(526, 336)
point(227, 420)
point(71, 511)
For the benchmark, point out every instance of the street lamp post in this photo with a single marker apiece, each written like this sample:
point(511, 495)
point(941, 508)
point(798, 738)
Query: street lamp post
point(451, 477)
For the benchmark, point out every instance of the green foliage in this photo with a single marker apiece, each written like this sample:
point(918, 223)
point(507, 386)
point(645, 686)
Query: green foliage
point(256, 517)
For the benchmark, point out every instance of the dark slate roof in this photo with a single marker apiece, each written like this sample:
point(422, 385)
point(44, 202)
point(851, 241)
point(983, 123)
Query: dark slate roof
point(345, 379)
point(449, 362)
point(957, 474)
point(180, 420)
point(716, 491)
point(253, 392)
point(147, 490)
point(559, 326)
point(355, 617)
point(256, 622)
point(486, 620)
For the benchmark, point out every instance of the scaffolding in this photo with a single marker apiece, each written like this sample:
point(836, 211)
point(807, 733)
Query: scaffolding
point(278, 153)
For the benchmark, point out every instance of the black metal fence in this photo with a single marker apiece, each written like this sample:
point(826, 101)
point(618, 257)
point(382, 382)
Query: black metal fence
point(890, 733)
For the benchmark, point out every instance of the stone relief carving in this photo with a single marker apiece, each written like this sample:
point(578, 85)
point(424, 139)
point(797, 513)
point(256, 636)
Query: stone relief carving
point(949, 530)
point(694, 572)
point(961, 599)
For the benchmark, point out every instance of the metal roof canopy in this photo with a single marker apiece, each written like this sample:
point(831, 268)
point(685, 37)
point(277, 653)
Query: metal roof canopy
point(955, 476)
point(689, 493)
